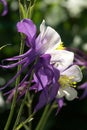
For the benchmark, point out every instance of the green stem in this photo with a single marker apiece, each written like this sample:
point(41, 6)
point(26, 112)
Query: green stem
point(19, 10)
point(15, 95)
point(26, 127)
point(45, 113)
point(30, 9)
point(11, 113)
point(24, 122)
point(23, 102)
point(30, 108)
point(45, 117)
point(19, 114)
point(16, 84)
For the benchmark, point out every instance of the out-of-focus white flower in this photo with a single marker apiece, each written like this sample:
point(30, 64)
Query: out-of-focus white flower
point(77, 41)
point(1, 100)
point(84, 47)
point(14, 5)
point(75, 6)
point(51, 1)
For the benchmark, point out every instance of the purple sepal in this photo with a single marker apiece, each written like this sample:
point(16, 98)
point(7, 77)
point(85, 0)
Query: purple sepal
point(47, 95)
point(49, 88)
point(27, 27)
point(60, 104)
point(28, 56)
point(45, 74)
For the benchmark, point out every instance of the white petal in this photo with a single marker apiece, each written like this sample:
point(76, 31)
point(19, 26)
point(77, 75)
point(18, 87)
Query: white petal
point(53, 38)
point(62, 59)
point(75, 72)
point(42, 28)
point(60, 93)
point(70, 93)
point(49, 38)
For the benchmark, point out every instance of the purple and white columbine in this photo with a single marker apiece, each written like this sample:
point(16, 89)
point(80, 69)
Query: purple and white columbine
point(47, 40)
point(70, 75)
point(54, 72)
point(81, 60)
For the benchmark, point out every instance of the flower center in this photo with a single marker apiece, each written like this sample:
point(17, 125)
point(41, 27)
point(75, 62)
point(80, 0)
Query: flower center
point(66, 81)
point(60, 47)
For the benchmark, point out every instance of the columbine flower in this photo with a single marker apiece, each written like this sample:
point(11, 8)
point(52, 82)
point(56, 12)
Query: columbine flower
point(45, 76)
point(5, 7)
point(81, 60)
point(54, 72)
point(68, 80)
point(59, 60)
point(70, 74)
point(47, 41)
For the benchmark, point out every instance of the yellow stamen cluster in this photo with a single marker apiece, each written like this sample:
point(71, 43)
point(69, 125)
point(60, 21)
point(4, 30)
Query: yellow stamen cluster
point(66, 81)
point(60, 47)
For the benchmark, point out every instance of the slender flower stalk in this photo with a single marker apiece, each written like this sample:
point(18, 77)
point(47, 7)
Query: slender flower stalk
point(44, 118)
point(29, 119)
point(44, 115)
point(16, 85)
point(15, 94)
point(23, 102)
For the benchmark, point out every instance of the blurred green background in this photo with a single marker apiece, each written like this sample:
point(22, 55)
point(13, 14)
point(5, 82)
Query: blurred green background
point(69, 19)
